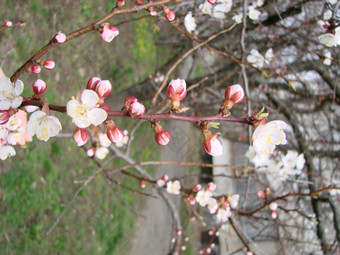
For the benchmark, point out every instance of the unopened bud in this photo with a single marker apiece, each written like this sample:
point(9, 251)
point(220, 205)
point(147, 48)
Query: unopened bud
point(120, 3)
point(176, 91)
point(163, 137)
point(136, 109)
point(80, 136)
point(274, 214)
point(152, 12)
point(260, 194)
point(48, 64)
point(165, 178)
point(273, 206)
point(160, 182)
point(267, 191)
point(108, 33)
point(5, 116)
point(138, 2)
point(197, 187)
point(34, 69)
point(212, 1)
point(92, 83)
point(60, 38)
point(211, 186)
point(114, 133)
point(39, 87)
point(170, 15)
point(212, 145)
point(234, 94)
point(142, 184)
point(7, 23)
point(103, 88)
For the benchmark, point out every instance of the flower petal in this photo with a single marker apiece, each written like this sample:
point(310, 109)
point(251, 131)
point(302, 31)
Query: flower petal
point(18, 87)
point(96, 116)
point(16, 102)
point(89, 98)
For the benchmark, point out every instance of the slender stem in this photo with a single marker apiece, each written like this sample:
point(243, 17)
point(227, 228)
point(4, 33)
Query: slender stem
point(51, 44)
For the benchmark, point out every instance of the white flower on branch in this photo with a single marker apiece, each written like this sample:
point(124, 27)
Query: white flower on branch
point(43, 126)
point(173, 187)
point(223, 214)
point(189, 23)
point(85, 112)
point(266, 137)
point(256, 58)
point(10, 93)
point(6, 151)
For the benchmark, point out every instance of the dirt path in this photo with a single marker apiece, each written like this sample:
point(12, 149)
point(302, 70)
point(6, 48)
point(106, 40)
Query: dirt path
point(154, 232)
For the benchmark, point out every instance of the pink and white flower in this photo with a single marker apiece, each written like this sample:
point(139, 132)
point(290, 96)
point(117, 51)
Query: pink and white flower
point(108, 33)
point(35, 69)
point(170, 15)
point(173, 187)
point(7, 23)
point(43, 126)
point(84, 112)
point(234, 199)
point(10, 93)
point(92, 83)
point(266, 137)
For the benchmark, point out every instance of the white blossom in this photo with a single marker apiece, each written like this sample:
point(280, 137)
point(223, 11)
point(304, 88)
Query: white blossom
point(266, 137)
point(104, 140)
point(234, 199)
point(256, 58)
point(189, 22)
point(173, 187)
point(327, 15)
point(85, 112)
point(100, 153)
point(237, 18)
point(10, 93)
point(6, 151)
point(43, 126)
point(328, 58)
point(223, 214)
point(212, 205)
point(203, 197)
point(253, 13)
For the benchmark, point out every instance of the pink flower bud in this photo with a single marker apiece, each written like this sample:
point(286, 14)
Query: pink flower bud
point(49, 64)
point(260, 194)
point(178, 232)
point(274, 214)
point(234, 94)
point(115, 134)
point(35, 69)
point(165, 178)
point(120, 3)
point(176, 90)
point(7, 23)
point(273, 206)
point(160, 183)
point(267, 191)
point(138, 2)
point(170, 15)
point(130, 100)
point(60, 38)
point(80, 136)
point(211, 186)
point(92, 83)
point(163, 137)
point(212, 1)
point(152, 12)
point(212, 145)
point(197, 187)
point(142, 184)
point(91, 151)
point(108, 33)
point(103, 88)
point(191, 199)
point(39, 87)
point(136, 109)
point(5, 115)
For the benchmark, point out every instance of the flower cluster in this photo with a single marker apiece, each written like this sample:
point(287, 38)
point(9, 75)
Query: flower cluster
point(258, 60)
